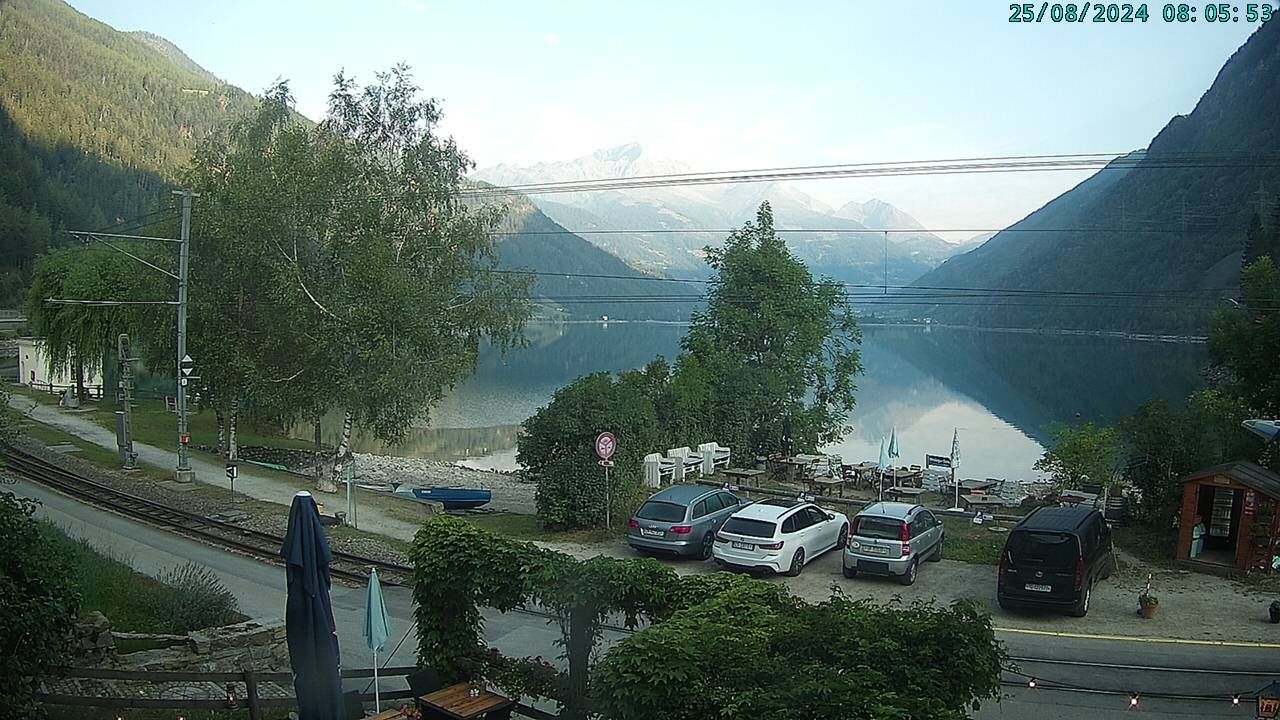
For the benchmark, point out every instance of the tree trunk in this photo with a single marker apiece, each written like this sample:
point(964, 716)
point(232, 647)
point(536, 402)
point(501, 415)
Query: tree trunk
point(222, 432)
point(578, 651)
point(317, 460)
point(343, 455)
point(233, 450)
point(79, 380)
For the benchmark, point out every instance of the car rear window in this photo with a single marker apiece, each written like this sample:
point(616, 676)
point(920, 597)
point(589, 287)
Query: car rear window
point(661, 511)
point(746, 526)
point(883, 528)
point(1049, 548)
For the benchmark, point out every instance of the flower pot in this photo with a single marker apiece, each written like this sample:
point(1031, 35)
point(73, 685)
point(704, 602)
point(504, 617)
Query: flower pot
point(1148, 610)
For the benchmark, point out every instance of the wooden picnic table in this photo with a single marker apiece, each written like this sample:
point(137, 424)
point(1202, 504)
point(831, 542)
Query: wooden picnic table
point(898, 492)
point(824, 485)
point(982, 502)
point(456, 702)
point(387, 715)
point(742, 473)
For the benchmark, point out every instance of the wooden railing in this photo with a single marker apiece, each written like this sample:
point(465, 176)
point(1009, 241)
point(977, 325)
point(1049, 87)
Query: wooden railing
point(250, 690)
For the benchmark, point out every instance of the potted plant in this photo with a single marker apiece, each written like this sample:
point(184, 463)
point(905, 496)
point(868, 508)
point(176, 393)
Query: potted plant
point(1147, 603)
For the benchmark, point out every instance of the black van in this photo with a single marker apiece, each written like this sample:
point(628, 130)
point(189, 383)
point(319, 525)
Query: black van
point(1052, 559)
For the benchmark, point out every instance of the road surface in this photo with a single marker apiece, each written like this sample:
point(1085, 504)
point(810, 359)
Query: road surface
point(260, 589)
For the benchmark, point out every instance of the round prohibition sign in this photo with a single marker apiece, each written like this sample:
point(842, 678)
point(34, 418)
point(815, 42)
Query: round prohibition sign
point(606, 445)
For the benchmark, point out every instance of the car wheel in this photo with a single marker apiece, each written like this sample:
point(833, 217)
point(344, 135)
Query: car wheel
point(797, 564)
point(849, 572)
point(909, 577)
point(937, 552)
point(1082, 608)
point(844, 537)
point(708, 541)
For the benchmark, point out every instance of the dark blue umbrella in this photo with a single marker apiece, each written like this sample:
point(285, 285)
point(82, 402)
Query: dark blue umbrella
point(313, 642)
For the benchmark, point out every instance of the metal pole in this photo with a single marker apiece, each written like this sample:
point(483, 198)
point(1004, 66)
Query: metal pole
point(128, 456)
point(607, 524)
point(183, 471)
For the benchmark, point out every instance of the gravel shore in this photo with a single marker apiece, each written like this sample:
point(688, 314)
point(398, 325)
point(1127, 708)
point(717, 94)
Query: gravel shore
point(510, 492)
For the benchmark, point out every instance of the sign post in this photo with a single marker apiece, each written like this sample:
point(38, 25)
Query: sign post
point(232, 471)
point(606, 446)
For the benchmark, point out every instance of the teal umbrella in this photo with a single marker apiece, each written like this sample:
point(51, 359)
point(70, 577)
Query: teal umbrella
point(883, 467)
point(376, 628)
point(893, 442)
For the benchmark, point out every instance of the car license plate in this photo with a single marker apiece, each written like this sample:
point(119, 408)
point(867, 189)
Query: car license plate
point(1039, 588)
point(874, 550)
point(743, 546)
point(648, 532)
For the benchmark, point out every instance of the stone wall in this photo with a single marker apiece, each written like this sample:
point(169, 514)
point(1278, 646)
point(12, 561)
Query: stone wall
point(252, 645)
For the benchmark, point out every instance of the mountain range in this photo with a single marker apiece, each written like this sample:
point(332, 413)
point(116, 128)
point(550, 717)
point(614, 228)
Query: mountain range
point(1166, 242)
point(96, 124)
point(663, 230)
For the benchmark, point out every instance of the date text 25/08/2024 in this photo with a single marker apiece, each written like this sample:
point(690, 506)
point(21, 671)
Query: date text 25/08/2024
point(1102, 12)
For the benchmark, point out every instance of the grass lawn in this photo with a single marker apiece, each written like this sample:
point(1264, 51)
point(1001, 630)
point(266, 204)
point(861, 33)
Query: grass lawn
point(111, 587)
point(1146, 543)
point(155, 425)
point(971, 543)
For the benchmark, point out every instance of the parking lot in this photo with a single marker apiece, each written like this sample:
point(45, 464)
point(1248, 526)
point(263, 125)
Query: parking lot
point(1192, 606)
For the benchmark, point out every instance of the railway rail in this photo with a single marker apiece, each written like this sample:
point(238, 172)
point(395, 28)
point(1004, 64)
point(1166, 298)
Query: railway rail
point(348, 567)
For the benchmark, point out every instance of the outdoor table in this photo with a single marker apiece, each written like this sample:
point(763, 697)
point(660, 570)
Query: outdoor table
point(742, 473)
point(982, 502)
point(899, 492)
point(456, 702)
point(824, 485)
point(797, 463)
point(387, 715)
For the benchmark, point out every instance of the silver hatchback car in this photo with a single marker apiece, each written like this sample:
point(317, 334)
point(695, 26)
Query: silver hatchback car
point(682, 520)
point(891, 538)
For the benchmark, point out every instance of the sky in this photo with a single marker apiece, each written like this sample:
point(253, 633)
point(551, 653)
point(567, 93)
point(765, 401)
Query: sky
point(739, 84)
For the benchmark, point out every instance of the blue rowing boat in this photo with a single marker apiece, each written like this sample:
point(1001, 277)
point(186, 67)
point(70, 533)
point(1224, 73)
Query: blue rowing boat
point(450, 498)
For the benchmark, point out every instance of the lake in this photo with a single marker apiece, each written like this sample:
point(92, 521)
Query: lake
point(1002, 391)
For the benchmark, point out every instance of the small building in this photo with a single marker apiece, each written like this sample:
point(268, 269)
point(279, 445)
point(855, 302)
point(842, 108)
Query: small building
point(33, 370)
point(1229, 519)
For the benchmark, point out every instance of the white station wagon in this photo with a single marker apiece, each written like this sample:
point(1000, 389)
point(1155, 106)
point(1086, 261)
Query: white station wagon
point(779, 535)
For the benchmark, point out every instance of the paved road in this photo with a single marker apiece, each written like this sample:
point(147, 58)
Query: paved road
point(260, 590)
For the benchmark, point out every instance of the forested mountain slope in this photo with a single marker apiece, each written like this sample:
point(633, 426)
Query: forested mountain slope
point(93, 124)
point(1174, 235)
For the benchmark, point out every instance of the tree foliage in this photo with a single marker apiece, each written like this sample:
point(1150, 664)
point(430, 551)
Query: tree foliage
point(1247, 341)
point(558, 447)
point(754, 652)
point(773, 355)
point(1084, 451)
point(40, 608)
point(78, 336)
point(775, 349)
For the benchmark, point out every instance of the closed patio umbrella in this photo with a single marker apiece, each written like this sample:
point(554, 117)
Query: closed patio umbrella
point(376, 628)
point(309, 626)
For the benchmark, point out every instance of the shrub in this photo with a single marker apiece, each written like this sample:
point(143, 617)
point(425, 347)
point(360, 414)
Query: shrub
point(39, 604)
point(199, 600)
point(794, 661)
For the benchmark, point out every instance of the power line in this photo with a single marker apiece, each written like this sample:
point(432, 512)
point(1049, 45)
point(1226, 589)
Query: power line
point(1033, 163)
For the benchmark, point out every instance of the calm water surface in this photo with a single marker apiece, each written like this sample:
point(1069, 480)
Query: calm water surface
point(1002, 391)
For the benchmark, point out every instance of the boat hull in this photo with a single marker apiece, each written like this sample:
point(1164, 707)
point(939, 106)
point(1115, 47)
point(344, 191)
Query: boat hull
point(450, 498)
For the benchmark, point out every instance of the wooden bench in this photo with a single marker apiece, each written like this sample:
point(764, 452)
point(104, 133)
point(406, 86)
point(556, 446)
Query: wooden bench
point(742, 473)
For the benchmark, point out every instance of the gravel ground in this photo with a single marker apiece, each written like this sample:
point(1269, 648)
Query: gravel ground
point(510, 493)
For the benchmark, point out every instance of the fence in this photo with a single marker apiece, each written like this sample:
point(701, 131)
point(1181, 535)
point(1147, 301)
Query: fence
point(251, 690)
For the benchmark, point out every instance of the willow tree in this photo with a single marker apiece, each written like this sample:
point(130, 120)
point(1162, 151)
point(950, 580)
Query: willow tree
point(79, 335)
point(372, 274)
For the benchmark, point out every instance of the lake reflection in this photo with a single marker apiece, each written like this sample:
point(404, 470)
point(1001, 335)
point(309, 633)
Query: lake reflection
point(1003, 391)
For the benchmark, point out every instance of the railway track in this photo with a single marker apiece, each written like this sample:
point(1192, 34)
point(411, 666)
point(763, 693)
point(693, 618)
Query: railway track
point(345, 566)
